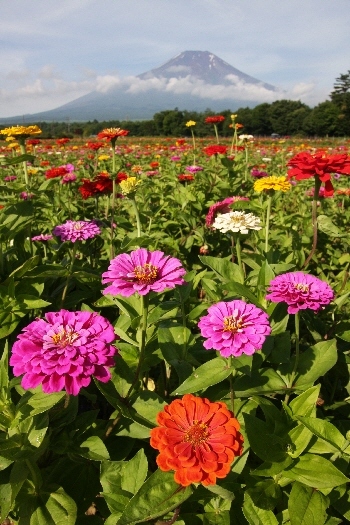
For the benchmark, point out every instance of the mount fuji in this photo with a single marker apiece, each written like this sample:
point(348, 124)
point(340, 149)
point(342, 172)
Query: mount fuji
point(192, 80)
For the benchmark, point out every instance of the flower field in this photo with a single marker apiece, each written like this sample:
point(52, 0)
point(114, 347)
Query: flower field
point(175, 329)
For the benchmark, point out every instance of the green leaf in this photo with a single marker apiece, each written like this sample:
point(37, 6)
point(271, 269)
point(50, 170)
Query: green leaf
point(256, 515)
point(173, 340)
point(211, 373)
point(134, 472)
point(325, 225)
point(343, 331)
point(158, 495)
point(307, 506)
point(48, 508)
point(305, 403)
point(31, 404)
point(260, 382)
point(315, 471)
point(12, 161)
point(315, 362)
point(243, 291)
point(268, 446)
point(148, 405)
point(324, 430)
point(223, 268)
point(265, 494)
point(93, 448)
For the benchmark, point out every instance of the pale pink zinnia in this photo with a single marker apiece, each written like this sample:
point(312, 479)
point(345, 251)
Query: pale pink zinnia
point(221, 207)
point(234, 328)
point(77, 230)
point(142, 271)
point(43, 237)
point(300, 291)
point(63, 351)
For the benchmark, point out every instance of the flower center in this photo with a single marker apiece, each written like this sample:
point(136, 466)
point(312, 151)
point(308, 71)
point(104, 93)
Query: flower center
point(65, 338)
point(232, 324)
point(146, 274)
point(196, 434)
point(78, 225)
point(302, 287)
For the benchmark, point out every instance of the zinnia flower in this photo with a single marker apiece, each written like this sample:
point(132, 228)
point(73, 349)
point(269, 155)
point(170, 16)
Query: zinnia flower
point(272, 183)
point(198, 439)
point(300, 291)
point(194, 169)
point(112, 133)
point(142, 271)
point(305, 165)
point(257, 173)
point(63, 351)
point(214, 119)
point(190, 123)
point(129, 185)
point(234, 328)
point(21, 131)
point(221, 207)
point(43, 237)
point(60, 171)
point(236, 221)
point(76, 230)
point(185, 177)
point(215, 150)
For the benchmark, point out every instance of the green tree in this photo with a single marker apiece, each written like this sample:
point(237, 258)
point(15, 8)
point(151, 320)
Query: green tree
point(341, 98)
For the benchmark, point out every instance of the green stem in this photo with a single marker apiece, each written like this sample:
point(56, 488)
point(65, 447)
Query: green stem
point(246, 163)
point(216, 133)
point(35, 474)
point(336, 455)
point(297, 353)
point(267, 224)
point(314, 219)
point(239, 258)
point(194, 147)
point(22, 147)
point(112, 217)
point(70, 271)
point(142, 342)
point(232, 392)
point(137, 216)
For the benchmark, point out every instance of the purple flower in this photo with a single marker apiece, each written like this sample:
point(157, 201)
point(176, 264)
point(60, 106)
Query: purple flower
point(42, 237)
point(193, 169)
point(300, 291)
point(77, 230)
point(221, 207)
point(63, 351)
point(234, 328)
point(142, 271)
point(258, 173)
point(26, 196)
point(10, 178)
point(175, 158)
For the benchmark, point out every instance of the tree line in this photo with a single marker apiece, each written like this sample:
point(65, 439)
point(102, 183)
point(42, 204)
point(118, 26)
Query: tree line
point(284, 117)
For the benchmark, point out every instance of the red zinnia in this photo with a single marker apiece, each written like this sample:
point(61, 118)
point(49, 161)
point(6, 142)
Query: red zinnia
point(56, 172)
point(95, 145)
point(214, 119)
point(215, 150)
point(198, 439)
point(62, 142)
point(184, 177)
point(112, 133)
point(305, 165)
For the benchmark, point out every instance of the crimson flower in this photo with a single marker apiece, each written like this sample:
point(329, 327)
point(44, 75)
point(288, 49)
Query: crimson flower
point(185, 177)
point(215, 150)
point(214, 119)
point(305, 165)
point(60, 171)
point(62, 142)
point(94, 145)
point(198, 439)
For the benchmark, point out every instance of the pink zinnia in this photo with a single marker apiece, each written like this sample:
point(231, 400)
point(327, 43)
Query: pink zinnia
point(63, 351)
point(234, 328)
point(194, 169)
point(76, 230)
point(300, 291)
point(43, 237)
point(142, 271)
point(221, 207)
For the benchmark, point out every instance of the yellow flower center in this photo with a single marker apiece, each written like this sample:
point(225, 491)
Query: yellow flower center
point(65, 338)
point(146, 274)
point(232, 324)
point(197, 434)
point(302, 287)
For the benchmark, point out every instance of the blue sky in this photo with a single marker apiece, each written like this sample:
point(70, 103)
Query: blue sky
point(53, 52)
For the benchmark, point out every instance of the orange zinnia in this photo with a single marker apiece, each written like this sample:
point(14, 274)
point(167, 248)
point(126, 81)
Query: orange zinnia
point(198, 439)
point(112, 133)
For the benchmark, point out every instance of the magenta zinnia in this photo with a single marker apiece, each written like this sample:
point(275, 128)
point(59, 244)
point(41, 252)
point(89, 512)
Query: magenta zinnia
point(142, 271)
point(234, 328)
point(76, 230)
point(300, 291)
point(63, 351)
point(221, 207)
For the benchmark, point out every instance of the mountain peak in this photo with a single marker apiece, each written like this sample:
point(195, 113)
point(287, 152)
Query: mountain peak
point(202, 65)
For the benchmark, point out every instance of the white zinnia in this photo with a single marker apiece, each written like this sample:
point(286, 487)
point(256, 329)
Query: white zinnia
point(236, 221)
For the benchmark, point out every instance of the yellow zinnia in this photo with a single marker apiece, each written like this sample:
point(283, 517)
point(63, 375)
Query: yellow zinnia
point(21, 131)
point(104, 157)
point(190, 123)
point(272, 183)
point(129, 185)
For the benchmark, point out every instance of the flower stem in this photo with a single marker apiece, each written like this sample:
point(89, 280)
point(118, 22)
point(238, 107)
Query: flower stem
point(297, 353)
point(314, 220)
point(232, 392)
point(142, 342)
point(216, 133)
point(194, 147)
point(137, 216)
point(22, 147)
point(239, 259)
point(70, 271)
point(267, 224)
